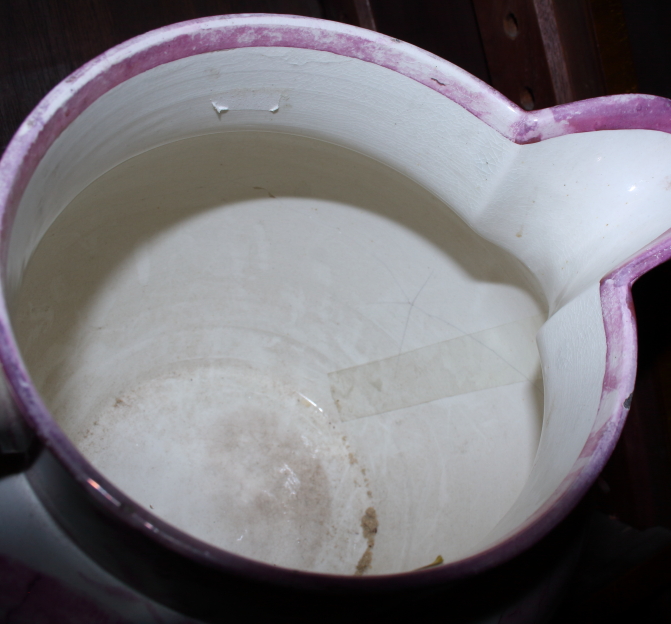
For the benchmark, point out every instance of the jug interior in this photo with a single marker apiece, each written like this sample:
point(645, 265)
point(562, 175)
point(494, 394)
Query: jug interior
point(289, 350)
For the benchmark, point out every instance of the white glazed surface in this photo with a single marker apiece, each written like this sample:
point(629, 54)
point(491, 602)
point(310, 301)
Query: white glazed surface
point(210, 323)
point(441, 470)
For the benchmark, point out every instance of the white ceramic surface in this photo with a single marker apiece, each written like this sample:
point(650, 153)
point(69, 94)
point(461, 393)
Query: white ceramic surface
point(268, 290)
point(260, 336)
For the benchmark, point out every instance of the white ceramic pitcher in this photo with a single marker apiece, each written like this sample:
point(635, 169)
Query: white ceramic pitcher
point(278, 293)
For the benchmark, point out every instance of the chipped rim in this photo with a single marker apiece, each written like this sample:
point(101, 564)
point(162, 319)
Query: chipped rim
point(77, 92)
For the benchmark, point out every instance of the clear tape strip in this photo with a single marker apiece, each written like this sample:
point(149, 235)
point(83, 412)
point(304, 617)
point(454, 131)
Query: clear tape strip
point(494, 357)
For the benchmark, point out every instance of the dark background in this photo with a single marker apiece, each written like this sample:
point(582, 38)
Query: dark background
point(538, 53)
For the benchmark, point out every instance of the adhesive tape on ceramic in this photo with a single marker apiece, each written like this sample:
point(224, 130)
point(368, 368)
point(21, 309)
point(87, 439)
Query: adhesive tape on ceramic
point(488, 359)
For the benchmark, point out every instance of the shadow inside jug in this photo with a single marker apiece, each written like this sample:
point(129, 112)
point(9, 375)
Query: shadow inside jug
point(290, 351)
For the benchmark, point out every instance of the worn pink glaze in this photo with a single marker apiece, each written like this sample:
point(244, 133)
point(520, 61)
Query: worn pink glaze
point(85, 86)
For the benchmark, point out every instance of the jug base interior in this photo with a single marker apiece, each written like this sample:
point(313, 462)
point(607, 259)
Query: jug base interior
point(288, 350)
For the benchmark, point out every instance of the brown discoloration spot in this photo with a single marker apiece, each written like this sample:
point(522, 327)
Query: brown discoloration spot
point(369, 524)
point(262, 188)
point(364, 562)
point(291, 486)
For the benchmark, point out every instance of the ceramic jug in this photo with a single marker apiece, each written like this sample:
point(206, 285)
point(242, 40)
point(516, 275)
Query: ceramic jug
point(291, 301)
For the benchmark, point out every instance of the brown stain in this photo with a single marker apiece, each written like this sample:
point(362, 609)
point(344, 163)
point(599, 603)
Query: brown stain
point(262, 188)
point(288, 489)
point(291, 490)
point(353, 460)
point(369, 524)
point(364, 562)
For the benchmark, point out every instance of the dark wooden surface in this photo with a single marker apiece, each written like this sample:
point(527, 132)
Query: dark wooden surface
point(648, 25)
point(448, 29)
point(546, 52)
point(513, 43)
point(538, 53)
point(43, 41)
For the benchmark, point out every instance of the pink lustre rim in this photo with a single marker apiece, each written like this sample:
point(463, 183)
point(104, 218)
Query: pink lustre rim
point(60, 107)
